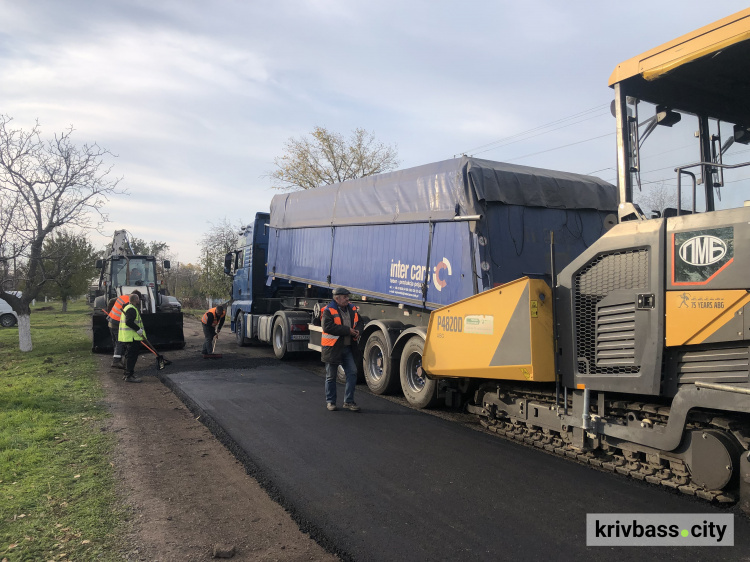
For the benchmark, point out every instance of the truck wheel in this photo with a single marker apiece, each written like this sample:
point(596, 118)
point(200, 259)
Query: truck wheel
point(239, 330)
point(377, 365)
point(419, 391)
point(340, 375)
point(279, 338)
point(7, 320)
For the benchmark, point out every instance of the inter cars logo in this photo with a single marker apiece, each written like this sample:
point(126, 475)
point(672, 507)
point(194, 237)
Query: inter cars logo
point(703, 250)
point(437, 280)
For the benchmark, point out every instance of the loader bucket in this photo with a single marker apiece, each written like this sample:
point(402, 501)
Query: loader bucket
point(102, 339)
point(164, 330)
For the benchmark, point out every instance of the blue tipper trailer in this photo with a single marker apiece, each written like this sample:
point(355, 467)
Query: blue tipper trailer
point(407, 242)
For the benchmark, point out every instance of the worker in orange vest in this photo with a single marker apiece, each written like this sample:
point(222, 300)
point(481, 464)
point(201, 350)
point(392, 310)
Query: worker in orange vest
point(341, 328)
point(212, 321)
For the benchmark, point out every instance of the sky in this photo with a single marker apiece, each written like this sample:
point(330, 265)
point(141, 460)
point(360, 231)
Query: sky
point(196, 99)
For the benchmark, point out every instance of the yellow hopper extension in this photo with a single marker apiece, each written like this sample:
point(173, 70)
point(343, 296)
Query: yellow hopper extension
point(503, 333)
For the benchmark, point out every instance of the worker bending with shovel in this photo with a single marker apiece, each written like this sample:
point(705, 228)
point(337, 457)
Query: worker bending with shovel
point(212, 321)
point(131, 335)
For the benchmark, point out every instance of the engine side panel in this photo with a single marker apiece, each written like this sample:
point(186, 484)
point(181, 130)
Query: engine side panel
point(610, 304)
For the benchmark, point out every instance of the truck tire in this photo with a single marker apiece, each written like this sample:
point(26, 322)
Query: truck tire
point(279, 338)
point(378, 366)
point(239, 330)
point(419, 391)
point(340, 375)
point(7, 320)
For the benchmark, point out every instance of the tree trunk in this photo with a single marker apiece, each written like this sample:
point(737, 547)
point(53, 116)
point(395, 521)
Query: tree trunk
point(24, 332)
point(65, 304)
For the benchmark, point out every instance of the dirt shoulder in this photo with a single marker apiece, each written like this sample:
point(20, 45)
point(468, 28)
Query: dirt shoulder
point(184, 489)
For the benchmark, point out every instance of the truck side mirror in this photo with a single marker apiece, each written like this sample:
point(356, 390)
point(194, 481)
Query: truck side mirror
point(228, 263)
point(167, 265)
point(99, 264)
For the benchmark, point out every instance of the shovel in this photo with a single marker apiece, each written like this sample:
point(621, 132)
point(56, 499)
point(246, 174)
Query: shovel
point(161, 361)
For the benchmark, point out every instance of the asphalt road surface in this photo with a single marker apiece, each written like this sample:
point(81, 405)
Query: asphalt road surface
point(393, 483)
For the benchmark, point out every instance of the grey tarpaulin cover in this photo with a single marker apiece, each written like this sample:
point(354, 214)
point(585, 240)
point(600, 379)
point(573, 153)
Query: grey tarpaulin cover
point(439, 191)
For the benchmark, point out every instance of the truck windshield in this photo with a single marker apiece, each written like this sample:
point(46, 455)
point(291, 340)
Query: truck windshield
point(133, 271)
point(662, 149)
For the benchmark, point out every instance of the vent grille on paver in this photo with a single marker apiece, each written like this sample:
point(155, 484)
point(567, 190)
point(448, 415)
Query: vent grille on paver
point(605, 336)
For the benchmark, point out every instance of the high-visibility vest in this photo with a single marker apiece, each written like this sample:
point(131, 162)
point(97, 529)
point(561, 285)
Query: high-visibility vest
point(126, 333)
point(116, 313)
point(212, 311)
point(329, 340)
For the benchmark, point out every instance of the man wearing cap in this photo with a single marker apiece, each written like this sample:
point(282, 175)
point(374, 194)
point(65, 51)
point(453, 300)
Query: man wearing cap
point(131, 335)
point(341, 327)
point(114, 312)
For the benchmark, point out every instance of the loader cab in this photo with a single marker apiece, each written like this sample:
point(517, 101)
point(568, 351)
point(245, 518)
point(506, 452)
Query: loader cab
point(134, 270)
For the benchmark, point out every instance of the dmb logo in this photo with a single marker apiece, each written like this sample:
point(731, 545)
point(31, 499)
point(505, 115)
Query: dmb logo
point(703, 250)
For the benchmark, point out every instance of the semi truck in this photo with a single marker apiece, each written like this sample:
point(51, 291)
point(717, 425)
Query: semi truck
point(551, 305)
point(406, 243)
point(123, 272)
point(635, 359)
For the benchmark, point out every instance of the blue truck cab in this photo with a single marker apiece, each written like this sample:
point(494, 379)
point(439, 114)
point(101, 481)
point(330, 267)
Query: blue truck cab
point(265, 309)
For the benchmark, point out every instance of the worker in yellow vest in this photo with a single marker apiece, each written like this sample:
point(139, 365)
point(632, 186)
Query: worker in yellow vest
point(131, 335)
point(114, 313)
point(212, 320)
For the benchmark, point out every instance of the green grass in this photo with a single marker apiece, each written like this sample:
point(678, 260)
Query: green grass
point(194, 312)
point(57, 494)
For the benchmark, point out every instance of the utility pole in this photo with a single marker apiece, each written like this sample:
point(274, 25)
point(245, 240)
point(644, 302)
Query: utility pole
point(208, 281)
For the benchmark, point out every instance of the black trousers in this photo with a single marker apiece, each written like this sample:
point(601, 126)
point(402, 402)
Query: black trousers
point(131, 356)
point(208, 332)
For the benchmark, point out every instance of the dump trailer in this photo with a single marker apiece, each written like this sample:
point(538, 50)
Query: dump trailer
point(123, 272)
point(406, 243)
point(635, 358)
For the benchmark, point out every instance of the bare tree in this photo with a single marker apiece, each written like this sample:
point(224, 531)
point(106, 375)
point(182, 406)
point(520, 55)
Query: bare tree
point(184, 283)
point(44, 185)
point(325, 157)
point(220, 239)
point(160, 250)
point(657, 197)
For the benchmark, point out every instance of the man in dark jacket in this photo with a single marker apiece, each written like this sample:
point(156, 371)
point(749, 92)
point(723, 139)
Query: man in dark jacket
point(131, 335)
point(212, 321)
point(341, 327)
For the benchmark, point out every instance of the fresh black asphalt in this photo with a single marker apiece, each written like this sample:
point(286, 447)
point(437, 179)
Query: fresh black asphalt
point(392, 483)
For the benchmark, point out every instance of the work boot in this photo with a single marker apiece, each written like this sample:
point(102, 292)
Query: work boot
point(131, 378)
point(117, 364)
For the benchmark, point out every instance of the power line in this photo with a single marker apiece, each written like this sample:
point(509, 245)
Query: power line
point(559, 147)
point(503, 141)
point(538, 134)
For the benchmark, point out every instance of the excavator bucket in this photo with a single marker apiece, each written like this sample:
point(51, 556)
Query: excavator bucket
point(164, 330)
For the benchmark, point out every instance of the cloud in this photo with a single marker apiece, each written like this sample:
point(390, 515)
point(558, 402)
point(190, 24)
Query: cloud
point(196, 99)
